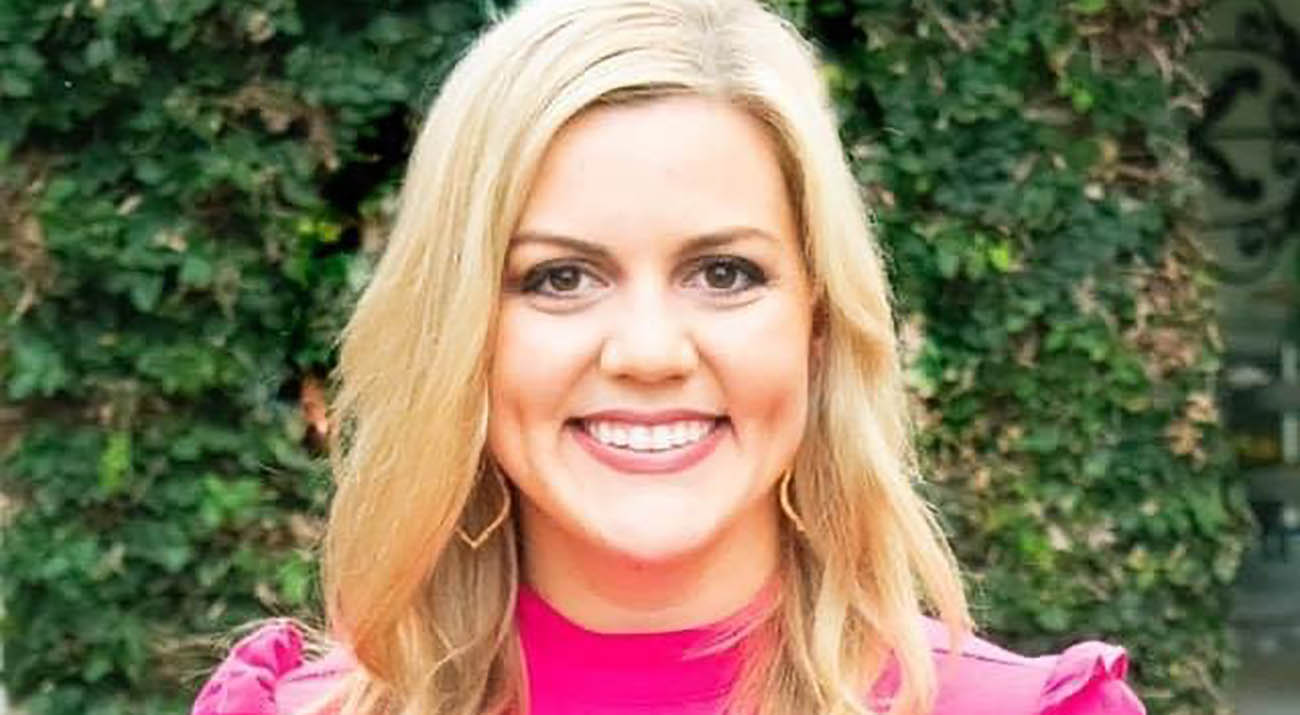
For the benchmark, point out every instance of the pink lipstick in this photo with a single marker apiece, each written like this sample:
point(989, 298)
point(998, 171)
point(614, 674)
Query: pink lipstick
point(674, 459)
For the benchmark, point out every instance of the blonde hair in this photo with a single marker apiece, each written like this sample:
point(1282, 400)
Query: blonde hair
point(431, 621)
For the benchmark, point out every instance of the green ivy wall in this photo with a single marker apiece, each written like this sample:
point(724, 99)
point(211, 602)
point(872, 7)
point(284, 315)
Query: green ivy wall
point(192, 193)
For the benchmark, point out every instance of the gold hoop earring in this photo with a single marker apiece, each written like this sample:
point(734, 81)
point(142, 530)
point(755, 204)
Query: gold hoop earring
point(786, 506)
point(476, 541)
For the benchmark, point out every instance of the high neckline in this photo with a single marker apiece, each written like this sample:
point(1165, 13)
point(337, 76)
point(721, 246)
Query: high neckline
point(568, 663)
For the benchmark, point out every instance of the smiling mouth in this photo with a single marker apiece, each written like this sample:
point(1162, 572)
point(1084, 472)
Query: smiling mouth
point(648, 439)
point(664, 448)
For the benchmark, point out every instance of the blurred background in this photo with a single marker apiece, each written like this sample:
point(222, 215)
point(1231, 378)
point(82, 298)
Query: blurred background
point(1089, 206)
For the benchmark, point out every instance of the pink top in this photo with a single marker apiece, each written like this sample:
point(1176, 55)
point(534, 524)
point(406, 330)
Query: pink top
point(574, 670)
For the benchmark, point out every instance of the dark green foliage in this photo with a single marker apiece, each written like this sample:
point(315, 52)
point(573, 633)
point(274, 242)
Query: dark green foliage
point(192, 193)
point(1027, 164)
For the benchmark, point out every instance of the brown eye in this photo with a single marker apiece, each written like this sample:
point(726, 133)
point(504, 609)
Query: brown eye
point(721, 276)
point(559, 280)
point(564, 278)
point(730, 274)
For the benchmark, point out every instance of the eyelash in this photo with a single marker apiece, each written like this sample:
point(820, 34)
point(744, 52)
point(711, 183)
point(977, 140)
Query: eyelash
point(536, 277)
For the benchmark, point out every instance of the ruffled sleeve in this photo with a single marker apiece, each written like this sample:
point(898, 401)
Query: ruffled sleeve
point(246, 682)
point(985, 679)
point(1088, 679)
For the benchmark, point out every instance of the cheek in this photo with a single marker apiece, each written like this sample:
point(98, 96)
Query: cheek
point(762, 362)
point(537, 359)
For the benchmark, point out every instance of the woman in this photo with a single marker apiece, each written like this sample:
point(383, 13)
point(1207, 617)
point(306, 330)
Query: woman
point(622, 423)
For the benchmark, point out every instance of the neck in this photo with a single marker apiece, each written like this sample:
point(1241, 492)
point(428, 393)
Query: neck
point(609, 592)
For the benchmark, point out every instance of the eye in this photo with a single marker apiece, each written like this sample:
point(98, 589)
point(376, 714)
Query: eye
point(730, 274)
point(559, 280)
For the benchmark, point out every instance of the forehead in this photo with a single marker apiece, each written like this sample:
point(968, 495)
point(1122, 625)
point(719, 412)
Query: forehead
point(673, 166)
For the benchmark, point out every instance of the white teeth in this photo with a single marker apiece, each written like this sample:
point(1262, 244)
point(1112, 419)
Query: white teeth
point(647, 438)
point(639, 437)
point(661, 436)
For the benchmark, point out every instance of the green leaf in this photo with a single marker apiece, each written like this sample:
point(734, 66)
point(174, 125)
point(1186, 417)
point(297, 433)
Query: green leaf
point(947, 262)
point(100, 51)
point(1000, 257)
point(1053, 619)
point(15, 85)
point(115, 463)
point(1082, 99)
point(38, 368)
point(295, 579)
point(196, 271)
point(145, 289)
point(97, 666)
point(1089, 7)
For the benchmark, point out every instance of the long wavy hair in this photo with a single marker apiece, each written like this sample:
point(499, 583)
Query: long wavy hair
point(431, 621)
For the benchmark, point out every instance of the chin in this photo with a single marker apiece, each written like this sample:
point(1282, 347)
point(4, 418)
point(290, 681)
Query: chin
point(651, 545)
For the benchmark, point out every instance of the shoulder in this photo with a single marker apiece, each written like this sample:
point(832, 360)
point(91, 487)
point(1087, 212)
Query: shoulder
point(267, 673)
point(983, 679)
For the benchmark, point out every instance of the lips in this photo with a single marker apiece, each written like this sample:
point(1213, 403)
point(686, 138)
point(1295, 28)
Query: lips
point(662, 461)
point(643, 438)
point(650, 418)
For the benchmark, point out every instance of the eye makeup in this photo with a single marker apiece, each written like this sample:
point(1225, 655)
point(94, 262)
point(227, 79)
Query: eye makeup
point(561, 278)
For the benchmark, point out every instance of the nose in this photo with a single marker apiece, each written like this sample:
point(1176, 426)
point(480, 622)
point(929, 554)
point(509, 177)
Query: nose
point(648, 342)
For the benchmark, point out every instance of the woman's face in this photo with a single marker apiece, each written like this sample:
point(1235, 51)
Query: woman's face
point(650, 375)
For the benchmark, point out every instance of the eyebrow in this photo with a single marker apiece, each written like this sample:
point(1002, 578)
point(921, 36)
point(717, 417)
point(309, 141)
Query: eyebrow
point(695, 244)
